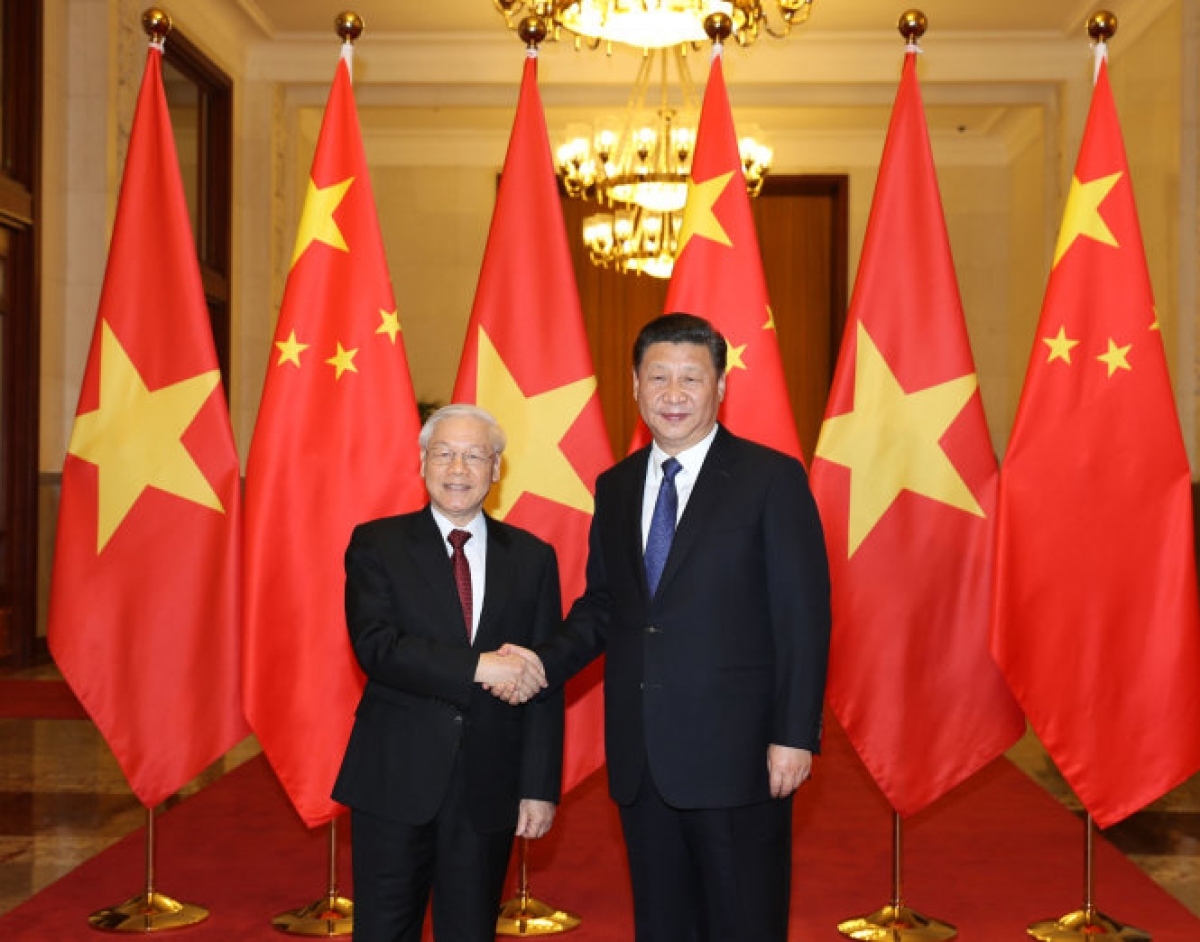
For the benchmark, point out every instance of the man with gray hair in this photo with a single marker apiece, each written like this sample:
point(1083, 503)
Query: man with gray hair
point(439, 774)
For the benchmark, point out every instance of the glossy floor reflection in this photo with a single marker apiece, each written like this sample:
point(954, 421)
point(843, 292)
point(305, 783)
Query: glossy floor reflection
point(63, 799)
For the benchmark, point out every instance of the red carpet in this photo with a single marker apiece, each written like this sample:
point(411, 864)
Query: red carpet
point(991, 858)
point(38, 700)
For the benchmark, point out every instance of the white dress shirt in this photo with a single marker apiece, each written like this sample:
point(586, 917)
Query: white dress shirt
point(691, 460)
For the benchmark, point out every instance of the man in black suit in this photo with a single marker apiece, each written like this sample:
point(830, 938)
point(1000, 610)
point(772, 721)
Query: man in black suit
point(440, 774)
point(716, 639)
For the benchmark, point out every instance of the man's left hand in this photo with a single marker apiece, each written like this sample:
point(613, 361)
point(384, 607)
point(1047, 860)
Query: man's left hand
point(534, 817)
point(788, 767)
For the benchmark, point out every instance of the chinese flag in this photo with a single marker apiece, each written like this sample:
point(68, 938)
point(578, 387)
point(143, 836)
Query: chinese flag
point(905, 478)
point(718, 275)
point(1096, 623)
point(144, 600)
point(335, 444)
point(526, 361)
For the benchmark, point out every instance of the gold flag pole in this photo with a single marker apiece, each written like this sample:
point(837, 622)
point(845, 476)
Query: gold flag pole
point(332, 914)
point(524, 915)
point(896, 922)
point(1086, 923)
point(152, 911)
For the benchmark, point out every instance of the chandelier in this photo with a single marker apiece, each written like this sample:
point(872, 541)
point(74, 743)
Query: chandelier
point(637, 169)
point(655, 24)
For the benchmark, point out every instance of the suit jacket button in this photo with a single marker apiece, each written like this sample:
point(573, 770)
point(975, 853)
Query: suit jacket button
point(653, 630)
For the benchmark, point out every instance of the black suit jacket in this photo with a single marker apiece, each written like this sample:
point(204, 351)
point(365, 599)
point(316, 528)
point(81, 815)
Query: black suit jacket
point(730, 654)
point(420, 706)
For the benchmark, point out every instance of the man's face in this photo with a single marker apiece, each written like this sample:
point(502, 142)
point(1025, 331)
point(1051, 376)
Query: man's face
point(459, 467)
point(678, 393)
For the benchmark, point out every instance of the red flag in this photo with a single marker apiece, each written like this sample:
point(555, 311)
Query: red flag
point(1096, 622)
point(144, 601)
point(335, 444)
point(905, 477)
point(718, 275)
point(526, 360)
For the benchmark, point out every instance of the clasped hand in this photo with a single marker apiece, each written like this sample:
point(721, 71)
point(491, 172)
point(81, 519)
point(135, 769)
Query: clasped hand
point(511, 673)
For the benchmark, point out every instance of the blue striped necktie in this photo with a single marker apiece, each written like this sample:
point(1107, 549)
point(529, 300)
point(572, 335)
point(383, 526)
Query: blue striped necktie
point(662, 524)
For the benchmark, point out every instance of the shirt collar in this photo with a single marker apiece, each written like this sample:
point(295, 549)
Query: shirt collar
point(477, 527)
point(691, 458)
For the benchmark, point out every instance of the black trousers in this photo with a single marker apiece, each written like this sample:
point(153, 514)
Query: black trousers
point(705, 875)
point(397, 866)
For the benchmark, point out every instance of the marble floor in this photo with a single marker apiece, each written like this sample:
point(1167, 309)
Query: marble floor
point(63, 799)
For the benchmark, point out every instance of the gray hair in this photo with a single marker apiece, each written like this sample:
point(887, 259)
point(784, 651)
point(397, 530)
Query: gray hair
point(496, 436)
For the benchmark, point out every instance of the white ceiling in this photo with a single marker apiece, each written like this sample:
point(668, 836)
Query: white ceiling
point(991, 69)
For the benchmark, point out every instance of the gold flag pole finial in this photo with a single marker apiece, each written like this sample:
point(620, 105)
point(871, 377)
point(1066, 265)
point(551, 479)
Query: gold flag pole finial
point(912, 25)
point(1102, 26)
point(156, 23)
point(532, 31)
point(348, 25)
point(719, 26)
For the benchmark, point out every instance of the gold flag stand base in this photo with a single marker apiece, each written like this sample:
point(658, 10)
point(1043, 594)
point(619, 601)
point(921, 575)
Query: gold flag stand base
point(526, 916)
point(328, 916)
point(149, 912)
point(1085, 924)
point(895, 923)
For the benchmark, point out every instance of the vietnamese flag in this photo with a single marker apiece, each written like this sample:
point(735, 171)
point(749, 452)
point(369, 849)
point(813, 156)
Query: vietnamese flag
point(526, 360)
point(335, 444)
point(144, 601)
point(905, 477)
point(1096, 622)
point(718, 275)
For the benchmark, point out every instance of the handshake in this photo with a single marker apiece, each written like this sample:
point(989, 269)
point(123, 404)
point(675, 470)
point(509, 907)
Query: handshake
point(511, 673)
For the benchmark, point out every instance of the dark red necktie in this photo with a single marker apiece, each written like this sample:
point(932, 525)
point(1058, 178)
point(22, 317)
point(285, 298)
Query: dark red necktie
point(462, 575)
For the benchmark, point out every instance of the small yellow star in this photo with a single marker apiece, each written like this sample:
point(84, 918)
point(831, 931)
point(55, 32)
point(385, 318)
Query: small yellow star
point(1082, 214)
point(1060, 346)
point(390, 324)
point(770, 324)
point(343, 360)
point(699, 219)
point(316, 220)
point(891, 442)
point(290, 350)
point(733, 357)
point(1156, 325)
point(135, 437)
point(536, 425)
point(1116, 357)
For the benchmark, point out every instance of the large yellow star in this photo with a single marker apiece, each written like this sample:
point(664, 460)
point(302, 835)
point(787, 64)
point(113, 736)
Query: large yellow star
point(699, 219)
point(1082, 214)
point(316, 220)
point(135, 437)
point(1060, 346)
point(890, 441)
point(1116, 358)
point(535, 425)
